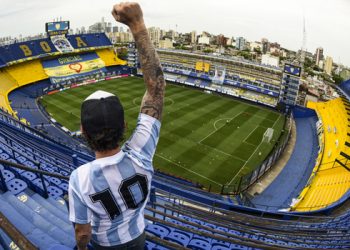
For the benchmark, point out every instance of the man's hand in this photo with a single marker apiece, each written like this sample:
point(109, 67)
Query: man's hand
point(82, 235)
point(129, 14)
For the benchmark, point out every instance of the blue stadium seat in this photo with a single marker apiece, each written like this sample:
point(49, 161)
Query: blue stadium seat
point(29, 175)
point(178, 237)
point(159, 247)
point(158, 230)
point(203, 238)
point(4, 156)
point(220, 247)
point(55, 181)
point(235, 246)
point(8, 175)
point(198, 244)
point(16, 186)
point(149, 245)
point(37, 182)
point(54, 192)
point(220, 242)
point(64, 186)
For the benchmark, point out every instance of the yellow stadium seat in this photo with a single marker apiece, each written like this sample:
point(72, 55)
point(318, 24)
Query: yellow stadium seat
point(110, 58)
point(27, 72)
point(329, 181)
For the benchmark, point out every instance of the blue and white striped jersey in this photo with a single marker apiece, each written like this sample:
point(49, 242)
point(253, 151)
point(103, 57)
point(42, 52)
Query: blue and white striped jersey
point(111, 193)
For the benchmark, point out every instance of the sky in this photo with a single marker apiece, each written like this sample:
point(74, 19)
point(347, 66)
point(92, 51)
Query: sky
point(327, 21)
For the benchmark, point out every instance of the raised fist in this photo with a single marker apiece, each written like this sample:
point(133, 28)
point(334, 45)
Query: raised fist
point(128, 13)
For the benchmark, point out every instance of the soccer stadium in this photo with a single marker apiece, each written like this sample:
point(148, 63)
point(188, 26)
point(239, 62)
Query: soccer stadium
point(229, 124)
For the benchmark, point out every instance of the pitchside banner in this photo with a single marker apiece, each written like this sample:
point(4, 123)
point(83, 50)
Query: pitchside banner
point(69, 67)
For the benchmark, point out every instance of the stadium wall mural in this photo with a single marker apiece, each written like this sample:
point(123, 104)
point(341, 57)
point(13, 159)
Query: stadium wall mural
point(65, 68)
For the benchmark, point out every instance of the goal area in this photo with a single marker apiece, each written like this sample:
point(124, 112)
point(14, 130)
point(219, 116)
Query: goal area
point(268, 135)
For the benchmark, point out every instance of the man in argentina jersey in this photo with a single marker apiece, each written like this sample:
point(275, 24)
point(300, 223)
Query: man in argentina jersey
point(107, 196)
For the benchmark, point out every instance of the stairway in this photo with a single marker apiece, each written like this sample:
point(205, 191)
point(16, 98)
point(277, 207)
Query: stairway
point(43, 221)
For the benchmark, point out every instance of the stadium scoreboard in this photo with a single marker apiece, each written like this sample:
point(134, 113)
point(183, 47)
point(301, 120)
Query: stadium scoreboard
point(292, 70)
point(57, 28)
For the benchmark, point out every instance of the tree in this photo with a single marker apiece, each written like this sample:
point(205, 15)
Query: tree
point(123, 53)
point(337, 79)
point(208, 51)
point(258, 50)
point(308, 63)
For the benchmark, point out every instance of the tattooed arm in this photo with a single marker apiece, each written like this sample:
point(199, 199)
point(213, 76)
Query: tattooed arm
point(131, 15)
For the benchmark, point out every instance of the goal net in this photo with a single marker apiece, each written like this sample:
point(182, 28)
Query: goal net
point(268, 135)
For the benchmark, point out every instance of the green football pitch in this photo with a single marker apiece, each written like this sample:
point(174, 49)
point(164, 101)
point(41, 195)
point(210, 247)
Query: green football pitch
point(206, 138)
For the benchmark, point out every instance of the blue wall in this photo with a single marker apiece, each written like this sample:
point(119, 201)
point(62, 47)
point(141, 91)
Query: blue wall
point(301, 112)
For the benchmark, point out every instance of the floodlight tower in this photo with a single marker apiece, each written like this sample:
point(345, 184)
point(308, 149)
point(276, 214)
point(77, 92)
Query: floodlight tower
point(303, 48)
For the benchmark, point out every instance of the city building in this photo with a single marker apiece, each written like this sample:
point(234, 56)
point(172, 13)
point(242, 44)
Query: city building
point(265, 45)
point(193, 37)
point(328, 65)
point(255, 46)
point(240, 43)
point(154, 34)
point(345, 74)
point(275, 48)
point(270, 60)
point(101, 27)
point(221, 40)
point(319, 55)
point(166, 44)
point(204, 40)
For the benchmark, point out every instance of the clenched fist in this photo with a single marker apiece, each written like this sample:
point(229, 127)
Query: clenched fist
point(129, 14)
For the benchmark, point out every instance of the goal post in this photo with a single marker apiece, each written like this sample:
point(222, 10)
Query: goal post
point(268, 135)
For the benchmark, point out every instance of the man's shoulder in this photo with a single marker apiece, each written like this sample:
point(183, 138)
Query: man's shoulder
point(79, 170)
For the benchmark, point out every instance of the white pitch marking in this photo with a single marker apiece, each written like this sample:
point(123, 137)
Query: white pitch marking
point(189, 170)
point(216, 129)
point(251, 155)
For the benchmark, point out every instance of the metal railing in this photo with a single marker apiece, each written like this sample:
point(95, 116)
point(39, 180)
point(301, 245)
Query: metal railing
point(38, 171)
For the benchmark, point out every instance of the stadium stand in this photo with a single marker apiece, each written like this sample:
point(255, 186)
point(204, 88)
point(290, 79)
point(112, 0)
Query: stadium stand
point(294, 176)
point(109, 57)
point(27, 72)
point(345, 86)
point(173, 217)
point(34, 168)
point(249, 81)
point(330, 179)
point(24, 68)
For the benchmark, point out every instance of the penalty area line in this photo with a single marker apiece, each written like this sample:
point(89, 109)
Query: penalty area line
point(252, 154)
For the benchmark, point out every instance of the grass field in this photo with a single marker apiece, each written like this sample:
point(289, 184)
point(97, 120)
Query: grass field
point(209, 139)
